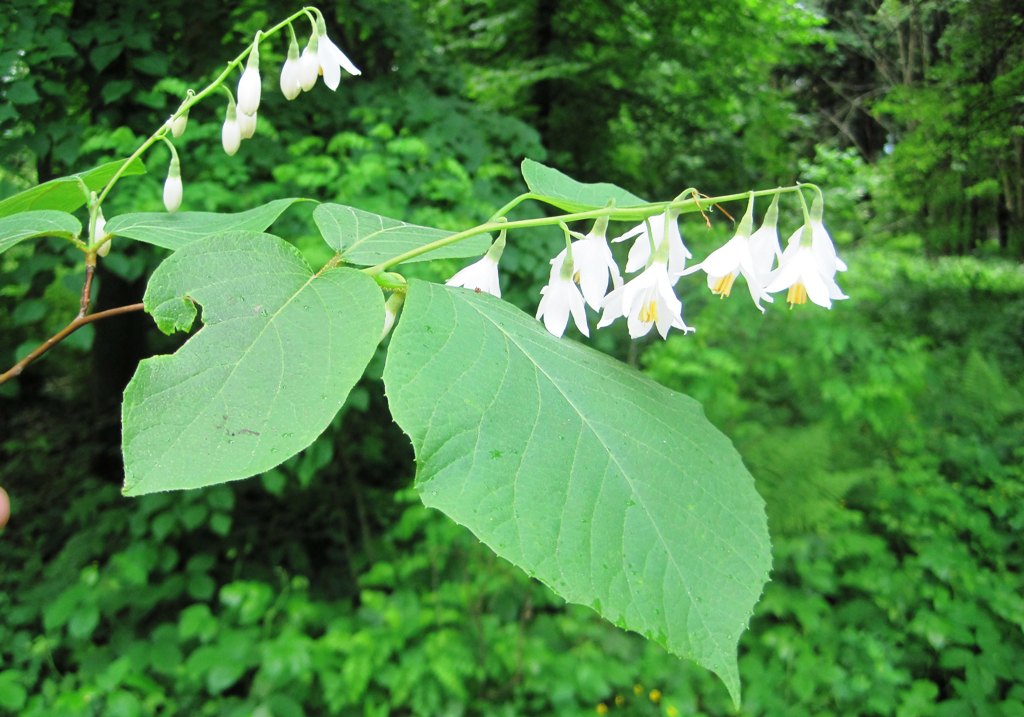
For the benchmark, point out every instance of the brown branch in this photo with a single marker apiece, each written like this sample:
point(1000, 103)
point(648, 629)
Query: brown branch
point(78, 323)
point(90, 269)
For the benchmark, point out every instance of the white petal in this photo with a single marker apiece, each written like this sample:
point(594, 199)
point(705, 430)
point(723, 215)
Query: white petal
point(340, 57)
point(612, 306)
point(290, 85)
point(328, 64)
point(172, 193)
point(579, 312)
point(309, 69)
point(246, 125)
point(249, 89)
point(725, 259)
point(231, 136)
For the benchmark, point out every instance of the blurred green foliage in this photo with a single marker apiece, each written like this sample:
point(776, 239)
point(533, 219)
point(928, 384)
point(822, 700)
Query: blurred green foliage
point(885, 434)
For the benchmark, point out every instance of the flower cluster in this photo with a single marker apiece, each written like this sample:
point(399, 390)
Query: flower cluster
point(582, 272)
point(321, 57)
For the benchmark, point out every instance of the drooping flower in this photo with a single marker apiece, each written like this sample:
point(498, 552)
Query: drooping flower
point(173, 189)
point(309, 65)
point(291, 71)
point(482, 275)
point(250, 86)
point(332, 60)
point(808, 265)
point(561, 297)
point(594, 264)
point(652, 232)
point(734, 258)
point(646, 300)
point(246, 125)
point(764, 244)
point(231, 133)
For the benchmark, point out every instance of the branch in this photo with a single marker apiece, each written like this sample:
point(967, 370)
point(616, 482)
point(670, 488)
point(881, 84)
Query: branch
point(78, 323)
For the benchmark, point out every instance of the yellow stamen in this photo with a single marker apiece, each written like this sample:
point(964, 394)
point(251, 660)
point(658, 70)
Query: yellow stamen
point(797, 294)
point(723, 287)
point(649, 313)
point(576, 277)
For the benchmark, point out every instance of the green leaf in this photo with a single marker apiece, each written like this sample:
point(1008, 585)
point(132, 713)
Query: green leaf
point(571, 196)
point(29, 225)
point(66, 193)
point(174, 231)
point(613, 490)
point(366, 239)
point(280, 350)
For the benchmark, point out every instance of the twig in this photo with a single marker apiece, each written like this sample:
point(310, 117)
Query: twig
point(90, 269)
point(78, 323)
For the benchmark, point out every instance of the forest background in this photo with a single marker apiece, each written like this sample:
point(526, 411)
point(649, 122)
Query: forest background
point(884, 434)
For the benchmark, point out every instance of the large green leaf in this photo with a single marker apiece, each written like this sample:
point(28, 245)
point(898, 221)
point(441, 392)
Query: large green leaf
point(27, 225)
point(279, 352)
point(366, 239)
point(66, 193)
point(611, 489)
point(571, 196)
point(174, 231)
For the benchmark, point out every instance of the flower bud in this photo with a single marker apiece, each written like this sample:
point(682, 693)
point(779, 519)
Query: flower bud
point(246, 125)
point(100, 234)
point(179, 123)
point(309, 64)
point(290, 85)
point(172, 186)
point(231, 134)
point(391, 307)
point(249, 87)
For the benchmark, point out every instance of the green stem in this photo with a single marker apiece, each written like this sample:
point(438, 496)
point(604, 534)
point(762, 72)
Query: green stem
point(613, 213)
point(190, 102)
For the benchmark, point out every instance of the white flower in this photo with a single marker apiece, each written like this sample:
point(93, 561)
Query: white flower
point(250, 86)
point(737, 257)
point(231, 133)
point(807, 268)
point(291, 71)
point(561, 297)
point(331, 59)
point(646, 300)
point(172, 186)
point(594, 264)
point(640, 252)
point(479, 276)
point(309, 65)
point(246, 125)
point(764, 244)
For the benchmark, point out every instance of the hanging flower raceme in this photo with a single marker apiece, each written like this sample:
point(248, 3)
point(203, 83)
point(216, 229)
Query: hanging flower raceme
point(482, 275)
point(561, 297)
point(737, 257)
point(809, 264)
point(652, 233)
point(647, 300)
